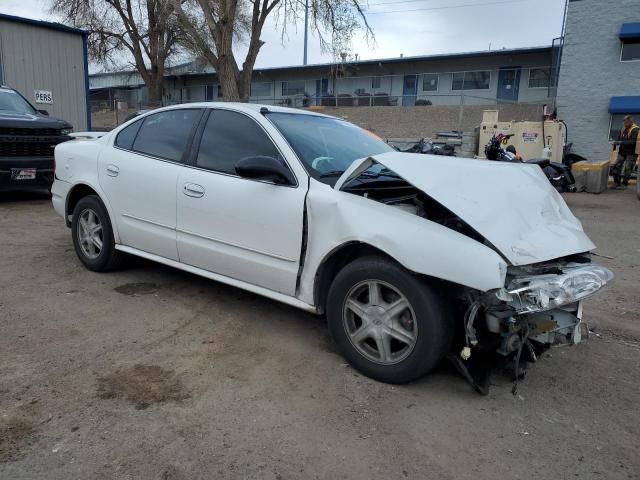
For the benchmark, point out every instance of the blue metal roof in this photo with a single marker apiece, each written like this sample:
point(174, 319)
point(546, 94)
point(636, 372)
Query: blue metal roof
point(41, 23)
point(624, 105)
point(420, 58)
point(630, 30)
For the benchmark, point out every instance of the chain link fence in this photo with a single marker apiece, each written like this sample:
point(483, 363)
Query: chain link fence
point(427, 114)
point(108, 114)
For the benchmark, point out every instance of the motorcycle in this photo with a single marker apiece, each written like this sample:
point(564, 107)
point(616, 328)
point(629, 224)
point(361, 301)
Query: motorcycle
point(558, 174)
point(428, 147)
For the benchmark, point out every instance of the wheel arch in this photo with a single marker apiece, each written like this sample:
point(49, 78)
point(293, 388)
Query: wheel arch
point(333, 262)
point(79, 191)
point(76, 193)
point(340, 256)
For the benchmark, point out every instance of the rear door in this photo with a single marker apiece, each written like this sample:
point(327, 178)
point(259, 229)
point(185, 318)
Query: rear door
point(139, 174)
point(246, 229)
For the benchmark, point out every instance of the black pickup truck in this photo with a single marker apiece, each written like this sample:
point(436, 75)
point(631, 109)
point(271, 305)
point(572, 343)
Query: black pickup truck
point(27, 139)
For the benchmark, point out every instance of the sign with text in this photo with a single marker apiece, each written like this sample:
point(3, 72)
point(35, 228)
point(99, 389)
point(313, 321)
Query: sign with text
point(43, 96)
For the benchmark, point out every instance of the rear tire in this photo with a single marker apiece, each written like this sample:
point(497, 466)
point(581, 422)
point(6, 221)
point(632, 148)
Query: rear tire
point(388, 324)
point(93, 235)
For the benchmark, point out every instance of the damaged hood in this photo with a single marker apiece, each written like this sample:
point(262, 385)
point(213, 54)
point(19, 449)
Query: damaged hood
point(512, 205)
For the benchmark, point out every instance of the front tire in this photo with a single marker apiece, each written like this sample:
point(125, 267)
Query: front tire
point(388, 324)
point(93, 235)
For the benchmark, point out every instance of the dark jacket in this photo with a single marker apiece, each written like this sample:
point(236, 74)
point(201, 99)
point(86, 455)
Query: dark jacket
point(627, 140)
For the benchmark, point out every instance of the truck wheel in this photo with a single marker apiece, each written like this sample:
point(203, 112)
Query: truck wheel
point(387, 323)
point(93, 236)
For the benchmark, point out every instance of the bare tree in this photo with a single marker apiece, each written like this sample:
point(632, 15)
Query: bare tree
point(146, 29)
point(210, 28)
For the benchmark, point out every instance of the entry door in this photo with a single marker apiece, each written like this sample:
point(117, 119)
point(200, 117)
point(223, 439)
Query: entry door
point(208, 93)
point(139, 174)
point(509, 84)
point(409, 90)
point(244, 229)
point(322, 89)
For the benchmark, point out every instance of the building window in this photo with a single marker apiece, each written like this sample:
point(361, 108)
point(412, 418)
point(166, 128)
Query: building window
point(429, 82)
point(539, 77)
point(630, 50)
point(375, 82)
point(292, 87)
point(261, 89)
point(471, 80)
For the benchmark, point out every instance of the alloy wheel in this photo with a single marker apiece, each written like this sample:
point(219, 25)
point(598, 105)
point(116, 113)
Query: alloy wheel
point(380, 322)
point(90, 234)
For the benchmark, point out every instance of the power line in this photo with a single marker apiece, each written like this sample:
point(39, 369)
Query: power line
point(448, 7)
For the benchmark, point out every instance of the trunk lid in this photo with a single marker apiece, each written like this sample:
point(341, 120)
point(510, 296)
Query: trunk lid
point(512, 205)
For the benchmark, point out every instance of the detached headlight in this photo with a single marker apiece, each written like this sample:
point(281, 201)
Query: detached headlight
point(544, 292)
point(66, 131)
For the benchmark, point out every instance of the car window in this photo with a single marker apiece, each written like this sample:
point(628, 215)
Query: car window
point(13, 102)
point(327, 146)
point(228, 137)
point(166, 134)
point(127, 135)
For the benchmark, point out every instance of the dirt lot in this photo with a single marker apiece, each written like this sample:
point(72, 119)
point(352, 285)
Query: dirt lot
point(151, 373)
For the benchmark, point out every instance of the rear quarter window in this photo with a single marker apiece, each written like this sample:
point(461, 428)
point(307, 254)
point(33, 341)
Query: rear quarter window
point(127, 135)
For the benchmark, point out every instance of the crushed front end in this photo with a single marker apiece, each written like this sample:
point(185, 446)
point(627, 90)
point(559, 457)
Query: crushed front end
point(540, 305)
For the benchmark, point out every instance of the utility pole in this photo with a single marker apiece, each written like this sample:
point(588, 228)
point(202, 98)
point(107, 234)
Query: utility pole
point(306, 30)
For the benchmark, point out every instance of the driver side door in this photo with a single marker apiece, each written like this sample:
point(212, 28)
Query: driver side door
point(246, 229)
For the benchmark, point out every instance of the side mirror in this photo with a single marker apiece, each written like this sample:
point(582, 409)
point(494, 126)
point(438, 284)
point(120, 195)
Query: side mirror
point(265, 168)
point(43, 112)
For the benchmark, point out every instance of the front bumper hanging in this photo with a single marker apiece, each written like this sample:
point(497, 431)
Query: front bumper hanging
point(530, 314)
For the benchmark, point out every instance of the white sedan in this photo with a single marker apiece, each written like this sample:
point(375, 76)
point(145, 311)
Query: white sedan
point(411, 257)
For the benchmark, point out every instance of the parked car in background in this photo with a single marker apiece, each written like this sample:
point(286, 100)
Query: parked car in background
point(27, 140)
point(410, 256)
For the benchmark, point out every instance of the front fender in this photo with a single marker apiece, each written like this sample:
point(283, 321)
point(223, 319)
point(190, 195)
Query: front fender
point(337, 218)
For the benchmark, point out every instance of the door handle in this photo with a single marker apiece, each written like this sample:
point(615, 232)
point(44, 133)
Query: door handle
point(193, 190)
point(112, 170)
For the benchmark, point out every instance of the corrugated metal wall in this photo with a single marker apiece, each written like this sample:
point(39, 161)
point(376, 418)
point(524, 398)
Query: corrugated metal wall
point(39, 58)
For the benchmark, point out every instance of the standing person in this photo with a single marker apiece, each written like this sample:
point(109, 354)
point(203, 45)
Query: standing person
point(627, 156)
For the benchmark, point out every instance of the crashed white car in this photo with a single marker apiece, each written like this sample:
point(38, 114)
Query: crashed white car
point(410, 256)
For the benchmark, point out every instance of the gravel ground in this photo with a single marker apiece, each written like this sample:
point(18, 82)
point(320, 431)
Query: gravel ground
point(152, 373)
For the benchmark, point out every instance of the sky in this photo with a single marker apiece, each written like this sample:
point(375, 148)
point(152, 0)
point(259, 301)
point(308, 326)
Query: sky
point(402, 27)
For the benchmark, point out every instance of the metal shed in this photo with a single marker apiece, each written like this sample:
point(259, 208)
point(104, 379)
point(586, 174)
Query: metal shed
point(47, 63)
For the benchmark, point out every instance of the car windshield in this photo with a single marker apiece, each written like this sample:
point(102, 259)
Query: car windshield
point(12, 102)
point(327, 146)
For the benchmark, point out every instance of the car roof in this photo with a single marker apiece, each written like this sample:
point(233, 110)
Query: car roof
point(245, 107)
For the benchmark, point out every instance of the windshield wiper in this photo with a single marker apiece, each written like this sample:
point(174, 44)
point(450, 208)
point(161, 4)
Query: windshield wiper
point(333, 173)
point(362, 175)
point(384, 172)
point(389, 173)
